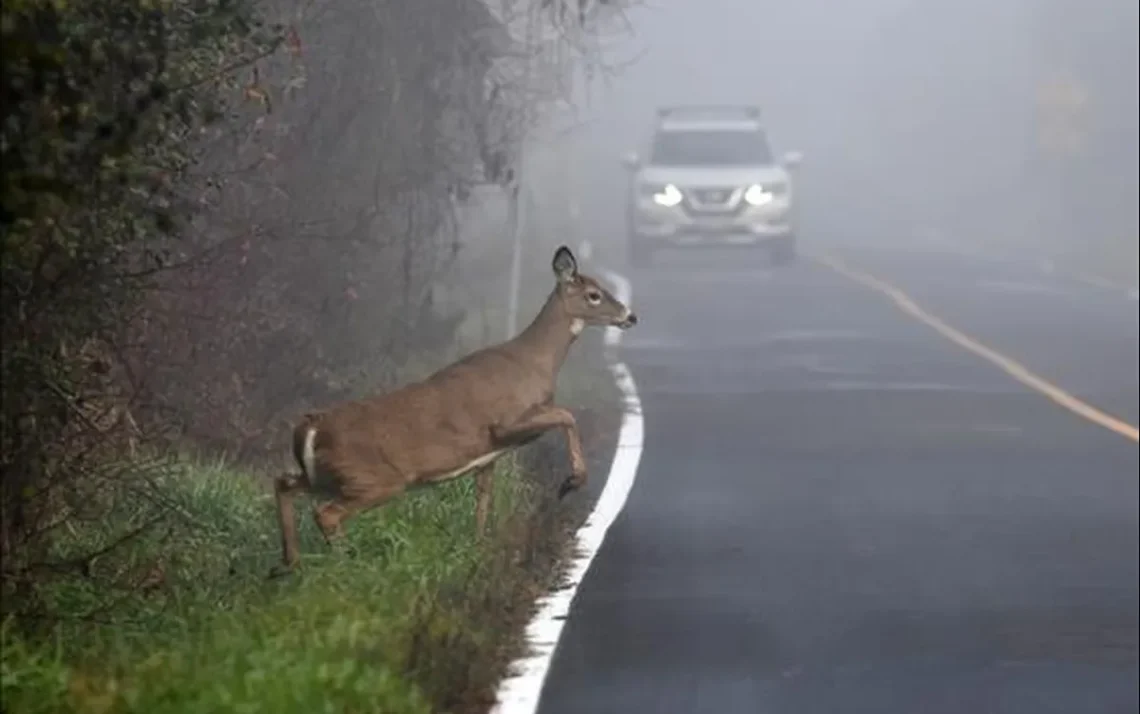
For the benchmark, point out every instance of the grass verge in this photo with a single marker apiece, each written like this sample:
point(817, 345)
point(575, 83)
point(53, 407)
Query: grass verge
point(414, 615)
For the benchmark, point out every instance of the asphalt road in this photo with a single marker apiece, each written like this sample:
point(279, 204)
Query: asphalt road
point(839, 510)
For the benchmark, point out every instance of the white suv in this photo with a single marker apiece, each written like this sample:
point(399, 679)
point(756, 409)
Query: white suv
point(710, 180)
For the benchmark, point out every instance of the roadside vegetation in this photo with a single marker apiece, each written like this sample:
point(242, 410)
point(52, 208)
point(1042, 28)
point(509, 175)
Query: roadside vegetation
point(216, 215)
point(411, 613)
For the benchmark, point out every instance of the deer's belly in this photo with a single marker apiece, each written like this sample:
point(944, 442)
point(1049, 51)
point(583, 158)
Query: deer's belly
point(463, 469)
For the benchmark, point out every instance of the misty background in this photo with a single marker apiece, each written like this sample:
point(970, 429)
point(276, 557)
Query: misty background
point(1009, 127)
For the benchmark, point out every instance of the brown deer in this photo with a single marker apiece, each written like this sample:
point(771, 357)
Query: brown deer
point(359, 454)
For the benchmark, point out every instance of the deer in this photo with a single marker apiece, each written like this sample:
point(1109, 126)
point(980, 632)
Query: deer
point(359, 454)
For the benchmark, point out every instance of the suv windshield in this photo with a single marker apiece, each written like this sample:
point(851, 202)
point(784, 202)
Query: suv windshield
point(710, 148)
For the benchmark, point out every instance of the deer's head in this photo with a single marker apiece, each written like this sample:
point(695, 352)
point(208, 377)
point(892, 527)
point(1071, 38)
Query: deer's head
point(585, 300)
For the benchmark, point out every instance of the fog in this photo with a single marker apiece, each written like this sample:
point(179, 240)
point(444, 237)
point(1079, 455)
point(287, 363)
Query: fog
point(913, 115)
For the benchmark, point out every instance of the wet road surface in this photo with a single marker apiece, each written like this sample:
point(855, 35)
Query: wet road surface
point(838, 510)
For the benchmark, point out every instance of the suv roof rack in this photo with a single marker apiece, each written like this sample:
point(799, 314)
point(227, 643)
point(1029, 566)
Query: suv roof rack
point(714, 110)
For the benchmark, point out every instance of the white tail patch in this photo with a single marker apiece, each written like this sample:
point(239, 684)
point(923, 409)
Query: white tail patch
point(308, 458)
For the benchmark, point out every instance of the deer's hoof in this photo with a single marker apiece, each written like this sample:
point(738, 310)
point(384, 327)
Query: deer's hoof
point(281, 570)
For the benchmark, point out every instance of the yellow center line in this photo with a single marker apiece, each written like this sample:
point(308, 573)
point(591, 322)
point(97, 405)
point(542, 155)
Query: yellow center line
point(1011, 367)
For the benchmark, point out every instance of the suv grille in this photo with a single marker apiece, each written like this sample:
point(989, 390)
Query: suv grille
point(711, 196)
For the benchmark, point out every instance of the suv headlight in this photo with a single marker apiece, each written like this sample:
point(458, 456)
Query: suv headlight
point(667, 195)
point(757, 195)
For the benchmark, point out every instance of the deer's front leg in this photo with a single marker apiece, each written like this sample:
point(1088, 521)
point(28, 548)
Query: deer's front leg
point(484, 483)
point(285, 489)
point(544, 419)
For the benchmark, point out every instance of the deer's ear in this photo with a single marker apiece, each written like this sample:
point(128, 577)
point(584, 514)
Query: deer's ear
point(564, 264)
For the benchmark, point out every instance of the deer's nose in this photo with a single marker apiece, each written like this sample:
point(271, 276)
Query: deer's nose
point(630, 319)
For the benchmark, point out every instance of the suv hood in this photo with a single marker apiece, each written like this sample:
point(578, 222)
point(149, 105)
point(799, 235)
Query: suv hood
point(685, 176)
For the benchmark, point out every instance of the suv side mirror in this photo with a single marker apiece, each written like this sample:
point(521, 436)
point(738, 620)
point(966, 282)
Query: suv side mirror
point(792, 159)
point(631, 161)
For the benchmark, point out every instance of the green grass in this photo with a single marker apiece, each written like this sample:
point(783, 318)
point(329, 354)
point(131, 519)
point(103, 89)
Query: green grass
point(400, 621)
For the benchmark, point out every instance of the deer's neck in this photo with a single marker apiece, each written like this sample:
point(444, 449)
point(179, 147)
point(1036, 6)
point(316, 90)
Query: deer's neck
point(547, 339)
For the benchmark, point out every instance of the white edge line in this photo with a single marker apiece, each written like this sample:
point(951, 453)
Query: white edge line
point(1106, 284)
point(520, 691)
point(1046, 266)
point(1097, 281)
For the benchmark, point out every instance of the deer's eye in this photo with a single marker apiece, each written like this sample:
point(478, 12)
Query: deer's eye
point(594, 297)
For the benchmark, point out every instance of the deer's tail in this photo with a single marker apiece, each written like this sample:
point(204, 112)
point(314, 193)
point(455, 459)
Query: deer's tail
point(304, 445)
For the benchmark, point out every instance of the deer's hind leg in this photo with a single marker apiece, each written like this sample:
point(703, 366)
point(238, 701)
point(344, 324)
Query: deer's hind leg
point(285, 490)
point(332, 514)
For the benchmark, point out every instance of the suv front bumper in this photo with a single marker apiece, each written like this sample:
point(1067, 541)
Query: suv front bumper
point(673, 226)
